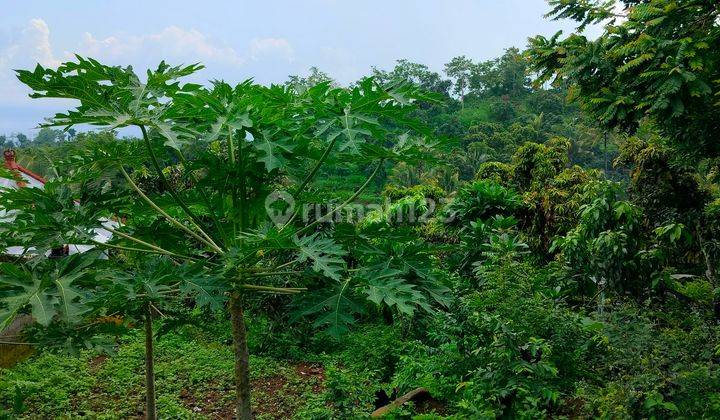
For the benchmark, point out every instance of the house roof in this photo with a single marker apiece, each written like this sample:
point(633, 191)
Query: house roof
point(29, 178)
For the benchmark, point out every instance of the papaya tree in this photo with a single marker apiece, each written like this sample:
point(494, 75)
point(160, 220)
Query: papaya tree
point(237, 151)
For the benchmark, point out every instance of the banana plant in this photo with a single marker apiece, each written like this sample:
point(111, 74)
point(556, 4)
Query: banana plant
point(235, 147)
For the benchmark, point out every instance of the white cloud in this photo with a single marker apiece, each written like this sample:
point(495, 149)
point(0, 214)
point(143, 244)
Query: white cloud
point(37, 38)
point(271, 47)
point(32, 44)
point(27, 47)
point(171, 43)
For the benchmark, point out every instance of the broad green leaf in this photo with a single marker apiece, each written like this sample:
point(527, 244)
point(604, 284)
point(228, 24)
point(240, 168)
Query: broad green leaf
point(206, 291)
point(47, 289)
point(333, 308)
point(324, 253)
point(273, 152)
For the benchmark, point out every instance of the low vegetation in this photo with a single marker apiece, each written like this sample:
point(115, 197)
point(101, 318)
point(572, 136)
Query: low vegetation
point(314, 251)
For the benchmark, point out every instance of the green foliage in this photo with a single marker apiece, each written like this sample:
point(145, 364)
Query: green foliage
point(260, 131)
point(506, 75)
point(482, 199)
point(537, 163)
point(334, 309)
point(515, 353)
point(348, 392)
point(47, 384)
point(396, 274)
point(460, 69)
point(325, 255)
point(604, 245)
point(415, 73)
point(661, 183)
point(495, 171)
point(653, 370)
point(542, 289)
point(396, 192)
point(48, 288)
point(193, 371)
point(641, 66)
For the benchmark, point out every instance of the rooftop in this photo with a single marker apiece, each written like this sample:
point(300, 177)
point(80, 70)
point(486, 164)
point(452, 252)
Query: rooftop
point(27, 178)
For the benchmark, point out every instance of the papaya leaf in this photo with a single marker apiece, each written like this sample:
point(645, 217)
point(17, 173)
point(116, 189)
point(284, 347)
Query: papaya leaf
point(325, 254)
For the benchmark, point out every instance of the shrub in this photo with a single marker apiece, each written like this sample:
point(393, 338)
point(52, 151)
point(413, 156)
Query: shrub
point(481, 200)
point(495, 171)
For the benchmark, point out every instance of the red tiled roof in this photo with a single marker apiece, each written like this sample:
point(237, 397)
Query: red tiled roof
point(11, 164)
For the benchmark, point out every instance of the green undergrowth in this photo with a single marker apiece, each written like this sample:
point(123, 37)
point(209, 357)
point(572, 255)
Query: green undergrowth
point(510, 345)
point(193, 373)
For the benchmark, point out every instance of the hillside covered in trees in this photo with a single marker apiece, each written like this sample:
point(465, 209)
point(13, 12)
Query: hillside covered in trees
point(534, 236)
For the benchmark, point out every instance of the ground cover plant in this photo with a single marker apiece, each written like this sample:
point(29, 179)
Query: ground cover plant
point(495, 244)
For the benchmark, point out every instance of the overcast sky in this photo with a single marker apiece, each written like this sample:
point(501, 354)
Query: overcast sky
point(265, 40)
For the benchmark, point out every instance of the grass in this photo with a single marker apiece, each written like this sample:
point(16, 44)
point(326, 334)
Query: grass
point(193, 374)
point(293, 375)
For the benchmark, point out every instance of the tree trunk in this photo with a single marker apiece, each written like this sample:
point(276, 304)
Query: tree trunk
point(711, 274)
point(242, 359)
point(151, 413)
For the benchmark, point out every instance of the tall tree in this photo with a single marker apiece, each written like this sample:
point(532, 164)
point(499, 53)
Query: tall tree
point(657, 59)
point(460, 69)
point(506, 75)
point(657, 62)
point(21, 140)
point(315, 76)
point(417, 74)
point(47, 136)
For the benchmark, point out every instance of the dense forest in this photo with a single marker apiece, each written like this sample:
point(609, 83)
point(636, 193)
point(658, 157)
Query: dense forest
point(535, 235)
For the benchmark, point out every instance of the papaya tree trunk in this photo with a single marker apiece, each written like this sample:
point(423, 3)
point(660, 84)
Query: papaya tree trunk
point(242, 359)
point(150, 409)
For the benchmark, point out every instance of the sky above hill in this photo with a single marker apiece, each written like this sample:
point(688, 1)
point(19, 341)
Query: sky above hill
point(266, 40)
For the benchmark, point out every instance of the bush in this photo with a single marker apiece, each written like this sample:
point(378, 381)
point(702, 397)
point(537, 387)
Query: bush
point(495, 171)
point(481, 200)
point(511, 349)
point(48, 384)
point(656, 364)
point(397, 192)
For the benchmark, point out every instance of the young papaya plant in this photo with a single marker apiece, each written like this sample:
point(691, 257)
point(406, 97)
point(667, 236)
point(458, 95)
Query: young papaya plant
point(237, 147)
point(151, 288)
point(74, 299)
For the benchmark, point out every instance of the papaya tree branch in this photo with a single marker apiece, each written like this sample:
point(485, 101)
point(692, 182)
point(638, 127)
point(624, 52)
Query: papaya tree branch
point(195, 220)
point(147, 244)
point(273, 273)
point(204, 195)
point(270, 289)
point(345, 203)
point(233, 190)
point(205, 240)
point(310, 177)
point(150, 251)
